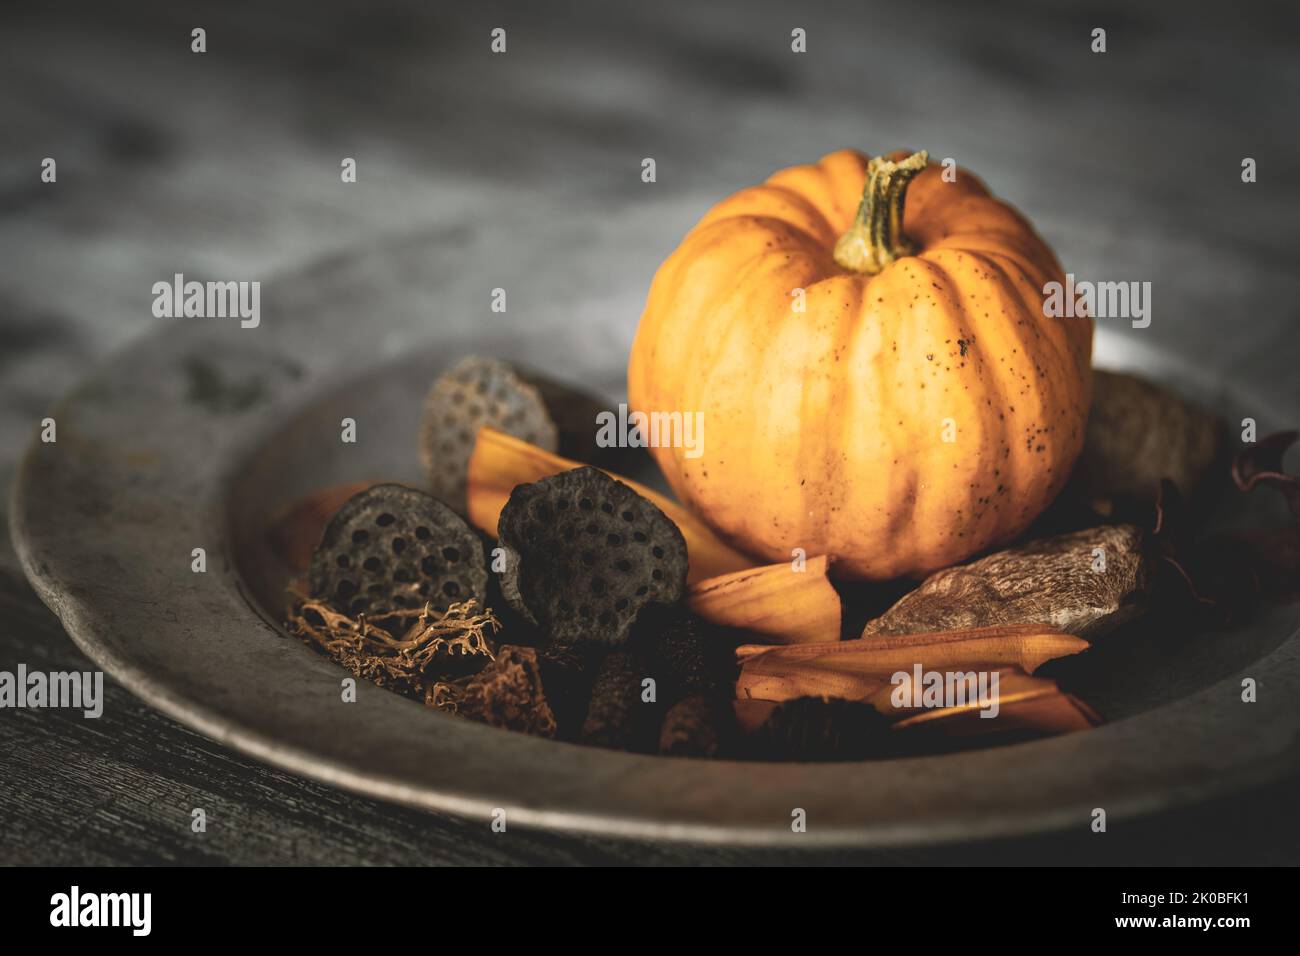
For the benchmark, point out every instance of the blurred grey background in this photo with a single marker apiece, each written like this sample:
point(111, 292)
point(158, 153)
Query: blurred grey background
point(226, 164)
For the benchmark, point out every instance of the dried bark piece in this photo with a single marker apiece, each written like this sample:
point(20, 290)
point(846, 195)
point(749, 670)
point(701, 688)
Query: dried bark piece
point(1085, 583)
point(823, 729)
point(1139, 433)
point(855, 670)
point(617, 717)
point(391, 548)
point(501, 462)
point(507, 693)
point(584, 555)
point(777, 602)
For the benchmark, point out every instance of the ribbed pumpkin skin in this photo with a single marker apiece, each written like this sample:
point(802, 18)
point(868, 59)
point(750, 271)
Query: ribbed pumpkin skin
point(823, 429)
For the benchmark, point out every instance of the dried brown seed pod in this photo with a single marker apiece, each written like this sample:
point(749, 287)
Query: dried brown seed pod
point(479, 391)
point(694, 662)
point(698, 725)
point(823, 729)
point(568, 671)
point(585, 553)
point(507, 693)
point(617, 717)
point(688, 654)
point(390, 548)
point(1085, 583)
point(1139, 433)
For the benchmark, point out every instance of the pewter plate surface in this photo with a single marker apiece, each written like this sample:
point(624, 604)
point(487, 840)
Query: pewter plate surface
point(194, 436)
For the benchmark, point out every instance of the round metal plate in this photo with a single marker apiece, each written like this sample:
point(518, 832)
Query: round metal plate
point(194, 436)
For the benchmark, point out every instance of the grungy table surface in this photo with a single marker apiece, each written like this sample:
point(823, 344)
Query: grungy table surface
point(226, 164)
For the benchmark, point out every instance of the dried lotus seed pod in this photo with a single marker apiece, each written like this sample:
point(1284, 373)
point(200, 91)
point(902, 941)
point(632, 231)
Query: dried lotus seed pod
point(479, 391)
point(392, 547)
point(585, 553)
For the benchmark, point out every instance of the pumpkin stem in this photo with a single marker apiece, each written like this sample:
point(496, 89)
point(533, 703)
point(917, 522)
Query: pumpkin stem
point(876, 237)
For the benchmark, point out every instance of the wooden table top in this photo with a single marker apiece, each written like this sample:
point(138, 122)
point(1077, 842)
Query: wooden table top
point(227, 164)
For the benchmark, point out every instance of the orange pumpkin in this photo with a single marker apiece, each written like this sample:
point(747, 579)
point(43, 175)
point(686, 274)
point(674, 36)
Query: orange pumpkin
point(879, 386)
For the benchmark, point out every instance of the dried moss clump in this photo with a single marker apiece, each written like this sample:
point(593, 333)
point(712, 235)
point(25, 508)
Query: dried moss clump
point(430, 647)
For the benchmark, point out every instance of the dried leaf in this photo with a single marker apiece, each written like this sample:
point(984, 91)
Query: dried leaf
point(776, 602)
point(1261, 464)
point(822, 729)
point(787, 680)
point(1024, 704)
point(857, 669)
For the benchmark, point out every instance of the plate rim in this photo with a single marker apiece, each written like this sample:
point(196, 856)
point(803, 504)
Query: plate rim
point(48, 575)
